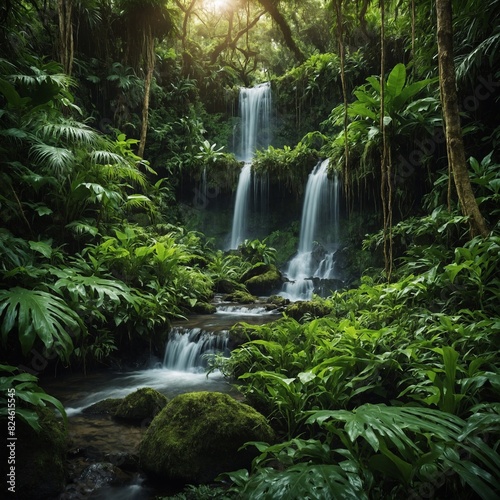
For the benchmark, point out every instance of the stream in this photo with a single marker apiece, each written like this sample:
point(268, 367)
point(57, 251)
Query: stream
point(102, 450)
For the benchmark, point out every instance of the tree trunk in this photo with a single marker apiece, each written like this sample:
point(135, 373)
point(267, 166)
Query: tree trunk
point(65, 11)
point(150, 64)
point(453, 132)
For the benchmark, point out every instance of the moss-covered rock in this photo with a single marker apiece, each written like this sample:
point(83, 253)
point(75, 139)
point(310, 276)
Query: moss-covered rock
point(198, 435)
point(104, 407)
point(266, 283)
point(256, 270)
point(204, 308)
point(277, 301)
point(40, 457)
point(317, 309)
point(143, 404)
point(240, 297)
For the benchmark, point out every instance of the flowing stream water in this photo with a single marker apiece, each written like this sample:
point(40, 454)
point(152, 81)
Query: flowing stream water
point(314, 263)
point(96, 439)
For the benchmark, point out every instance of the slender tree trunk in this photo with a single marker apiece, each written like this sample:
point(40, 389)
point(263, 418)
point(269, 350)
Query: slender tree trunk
point(340, 35)
point(453, 132)
point(150, 64)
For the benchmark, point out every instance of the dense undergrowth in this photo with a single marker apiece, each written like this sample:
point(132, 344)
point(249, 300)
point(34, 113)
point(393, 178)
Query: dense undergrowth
point(394, 392)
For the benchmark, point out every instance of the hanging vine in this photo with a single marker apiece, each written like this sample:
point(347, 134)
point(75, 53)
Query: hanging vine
point(338, 4)
point(385, 161)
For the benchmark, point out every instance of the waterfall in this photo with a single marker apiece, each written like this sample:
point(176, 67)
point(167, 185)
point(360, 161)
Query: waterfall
point(240, 216)
point(186, 348)
point(318, 240)
point(255, 113)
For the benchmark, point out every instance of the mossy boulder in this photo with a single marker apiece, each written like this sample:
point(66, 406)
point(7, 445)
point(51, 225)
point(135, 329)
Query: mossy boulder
point(256, 270)
point(104, 407)
point(141, 405)
point(277, 301)
point(266, 283)
point(40, 457)
point(198, 435)
point(204, 308)
point(240, 297)
point(316, 309)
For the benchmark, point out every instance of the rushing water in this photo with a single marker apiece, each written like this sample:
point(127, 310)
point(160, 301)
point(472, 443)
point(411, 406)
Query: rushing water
point(255, 114)
point(318, 241)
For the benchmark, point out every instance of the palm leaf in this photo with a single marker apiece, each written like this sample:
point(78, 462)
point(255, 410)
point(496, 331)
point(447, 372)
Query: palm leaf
point(58, 160)
point(71, 131)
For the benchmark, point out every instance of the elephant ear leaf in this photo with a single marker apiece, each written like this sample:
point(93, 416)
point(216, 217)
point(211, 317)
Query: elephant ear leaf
point(38, 314)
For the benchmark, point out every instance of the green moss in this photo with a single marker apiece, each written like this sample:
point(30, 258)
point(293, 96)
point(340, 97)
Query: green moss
point(278, 301)
point(143, 404)
point(265, 283)
point(240, 297)
point(104, 407)
point(314, 308)
point(198, 435)
point(204, 308)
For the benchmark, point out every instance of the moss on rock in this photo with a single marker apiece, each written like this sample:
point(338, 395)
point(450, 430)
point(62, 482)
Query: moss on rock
point(313, 308)
point(266, 283)
point(144, 403)
point(204, 308)
point(104, 407)
point(198, 435)
point(240, 297)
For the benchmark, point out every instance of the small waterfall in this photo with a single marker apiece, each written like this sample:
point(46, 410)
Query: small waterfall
point(255, 113)
point(319, 231)
point(186, 348)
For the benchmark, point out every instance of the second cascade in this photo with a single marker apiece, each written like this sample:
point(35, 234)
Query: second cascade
point(312, 269)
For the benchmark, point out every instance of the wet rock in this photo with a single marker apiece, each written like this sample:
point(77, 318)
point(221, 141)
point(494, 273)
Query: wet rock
point(104, 407)
point(266, 283)
point(198, 435)
point(204, 308)
point(240, 297)
point(140, 406)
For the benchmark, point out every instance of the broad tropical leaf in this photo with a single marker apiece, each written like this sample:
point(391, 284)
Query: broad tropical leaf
point(38, 314)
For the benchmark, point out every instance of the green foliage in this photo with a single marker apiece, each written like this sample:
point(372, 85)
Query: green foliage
point(24, 388)
point(288, 166)
point(404, 117)
point(397, 385)
point(257, 251)
point(38, 314)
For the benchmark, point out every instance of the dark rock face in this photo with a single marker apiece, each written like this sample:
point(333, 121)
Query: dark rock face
point(198, 435)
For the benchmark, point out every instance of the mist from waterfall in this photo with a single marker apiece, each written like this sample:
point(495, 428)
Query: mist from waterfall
point(319, 234)
point(255, 113)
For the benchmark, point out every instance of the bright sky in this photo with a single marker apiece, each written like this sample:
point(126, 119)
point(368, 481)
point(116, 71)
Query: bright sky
point(216, 5)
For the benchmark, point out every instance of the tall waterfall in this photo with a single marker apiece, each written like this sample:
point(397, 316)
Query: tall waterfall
point(255, 113)
point(186, 348)
point(319, 230)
